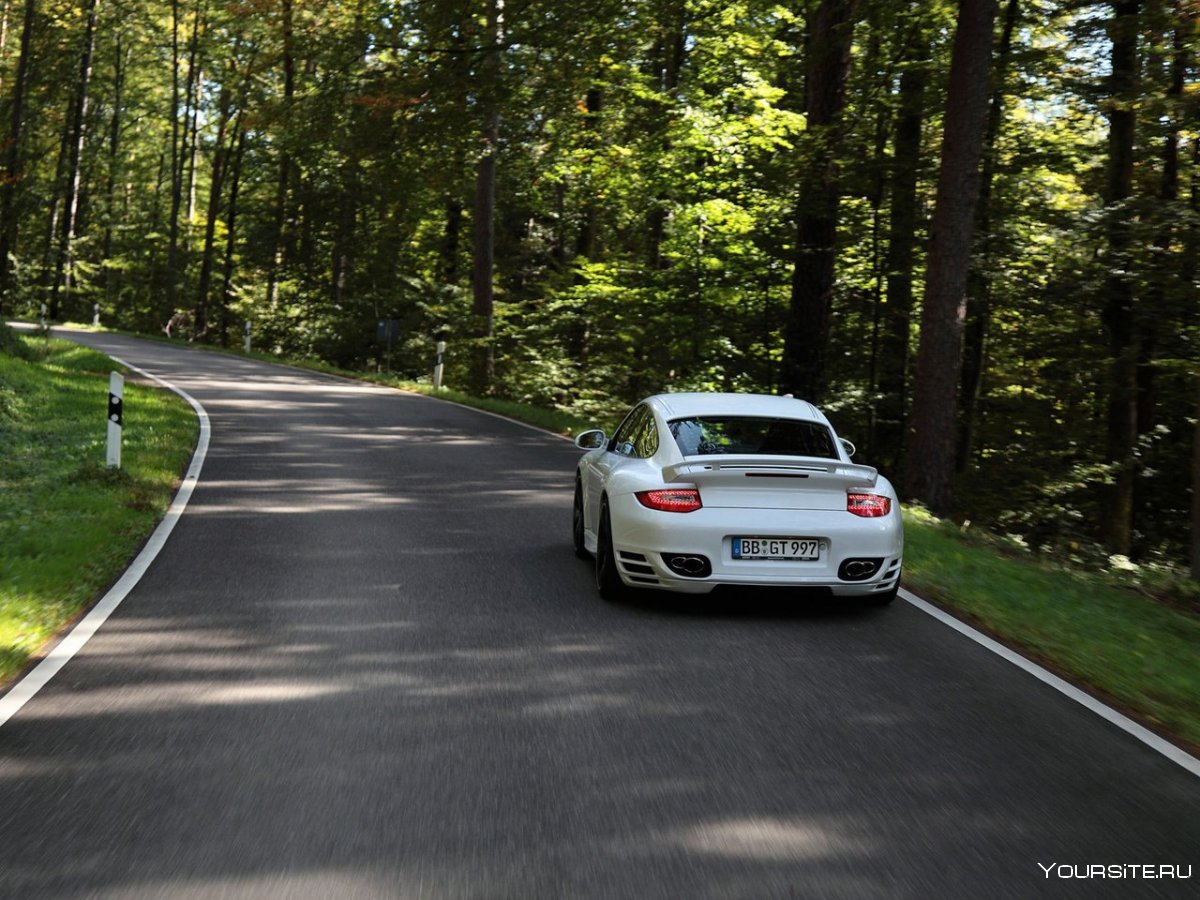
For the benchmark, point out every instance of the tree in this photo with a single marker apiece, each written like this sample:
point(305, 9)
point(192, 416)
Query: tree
point(979, 282)
point(1119, 287)
point(904, 228)
point(485, 197)
point(807, 335)
point(930, 469)
point(13, 174)
point(78, 125)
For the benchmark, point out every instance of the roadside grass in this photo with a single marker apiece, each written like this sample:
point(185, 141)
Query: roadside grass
point(1101, 631)
point(68, 525)
point(1137, 652)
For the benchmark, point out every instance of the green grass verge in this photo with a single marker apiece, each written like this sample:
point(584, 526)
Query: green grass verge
point(1138, 651)
point(68, 525)
point(59, 509)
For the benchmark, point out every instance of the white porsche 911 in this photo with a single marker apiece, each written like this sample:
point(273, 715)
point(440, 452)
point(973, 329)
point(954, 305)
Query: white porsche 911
point(699, 490)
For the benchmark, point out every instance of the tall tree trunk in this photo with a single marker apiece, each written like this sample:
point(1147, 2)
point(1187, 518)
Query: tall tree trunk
point(979, 282)
point(585, 243)
point(12, 169)
point(235, 180)
point(670, 51)
point(451, 239)
point(114, 164)
point(3, 35)
point(877, 192)
point(1163, 272)
point(63, 276)
point(344, 232)
point(1118, 313)
point(176, 175)
point(1191, 248)
point(182, 148)
point(903, 228)
point(285, 160)
point(192, 139)
point(216, 186)
point(53, 220)
point(931, 445)
point(485, 202)
point(806, 336)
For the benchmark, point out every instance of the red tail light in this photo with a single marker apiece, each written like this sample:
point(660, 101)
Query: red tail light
point(682, 500)
point(869, 506)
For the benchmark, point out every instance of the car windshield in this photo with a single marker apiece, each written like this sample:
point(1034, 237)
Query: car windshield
point(712, 435)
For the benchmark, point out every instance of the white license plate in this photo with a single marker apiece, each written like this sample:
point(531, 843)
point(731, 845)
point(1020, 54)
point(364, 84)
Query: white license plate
point(776, 548)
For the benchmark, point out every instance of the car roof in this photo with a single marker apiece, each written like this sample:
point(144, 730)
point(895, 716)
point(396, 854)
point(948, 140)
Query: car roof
point(684, 405)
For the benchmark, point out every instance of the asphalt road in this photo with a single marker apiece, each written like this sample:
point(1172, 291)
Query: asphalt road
point(367, 664)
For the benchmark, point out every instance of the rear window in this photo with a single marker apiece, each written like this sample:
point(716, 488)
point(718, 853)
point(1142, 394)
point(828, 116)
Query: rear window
point(711, 436)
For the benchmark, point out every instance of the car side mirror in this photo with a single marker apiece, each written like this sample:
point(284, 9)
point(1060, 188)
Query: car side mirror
point(848, 447)
point(591, 440)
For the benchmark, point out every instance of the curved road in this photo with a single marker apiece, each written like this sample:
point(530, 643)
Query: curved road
point(367, 664)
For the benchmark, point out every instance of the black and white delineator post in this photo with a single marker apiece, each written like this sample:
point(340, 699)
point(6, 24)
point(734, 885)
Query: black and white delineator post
point(116, 418)
point(437, 366)
point(247, 341)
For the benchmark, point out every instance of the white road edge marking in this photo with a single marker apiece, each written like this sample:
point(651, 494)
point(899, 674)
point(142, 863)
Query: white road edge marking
point(1140, 732)
point(38, 677)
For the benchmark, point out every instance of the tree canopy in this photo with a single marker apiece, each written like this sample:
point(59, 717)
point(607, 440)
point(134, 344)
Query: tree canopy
point(593, 201)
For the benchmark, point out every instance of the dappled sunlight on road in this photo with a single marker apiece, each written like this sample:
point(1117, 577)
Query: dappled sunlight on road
point(180, 695)
point(767, 839)
point(302, 880)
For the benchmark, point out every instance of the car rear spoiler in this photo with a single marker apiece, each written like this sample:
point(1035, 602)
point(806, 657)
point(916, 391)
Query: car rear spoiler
point(701, 468)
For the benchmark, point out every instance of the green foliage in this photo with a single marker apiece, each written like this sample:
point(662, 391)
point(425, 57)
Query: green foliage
point(649, 161)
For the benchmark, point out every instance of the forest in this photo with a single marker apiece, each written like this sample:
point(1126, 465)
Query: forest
point(968, 230)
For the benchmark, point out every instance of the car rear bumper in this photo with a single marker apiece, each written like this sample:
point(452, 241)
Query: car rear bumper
point(646, 540)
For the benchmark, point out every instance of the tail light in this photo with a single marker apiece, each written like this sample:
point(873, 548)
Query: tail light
point(682, 500)
point(869, 506)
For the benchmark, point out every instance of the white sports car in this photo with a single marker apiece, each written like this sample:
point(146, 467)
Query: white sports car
point(699, 490)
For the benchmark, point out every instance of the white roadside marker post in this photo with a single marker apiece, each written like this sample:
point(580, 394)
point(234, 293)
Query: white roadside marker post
point(116, 396)
point(96, 315)
point(45, 327)
point(247, 342)
point(438, 367)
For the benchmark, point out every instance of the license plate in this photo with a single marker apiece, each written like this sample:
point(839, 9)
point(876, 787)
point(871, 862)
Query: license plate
point(776, 548)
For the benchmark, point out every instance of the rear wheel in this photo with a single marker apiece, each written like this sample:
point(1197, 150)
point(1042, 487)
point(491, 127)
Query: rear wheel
point(887, 596)
point(577, 523)
point(608, 579)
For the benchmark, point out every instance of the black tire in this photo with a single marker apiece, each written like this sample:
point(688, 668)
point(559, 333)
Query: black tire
point(577, 523)
point(608, 579)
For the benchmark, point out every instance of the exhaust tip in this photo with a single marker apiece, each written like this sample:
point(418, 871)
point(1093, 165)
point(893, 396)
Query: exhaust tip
point(689, 565)
point(859, 569)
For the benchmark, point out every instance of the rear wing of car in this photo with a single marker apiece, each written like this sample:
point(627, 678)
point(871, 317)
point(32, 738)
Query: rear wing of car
point(699, 469)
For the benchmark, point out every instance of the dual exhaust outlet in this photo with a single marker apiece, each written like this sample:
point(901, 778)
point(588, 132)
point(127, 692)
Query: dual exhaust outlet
point(859, 569)
point(689, 565)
